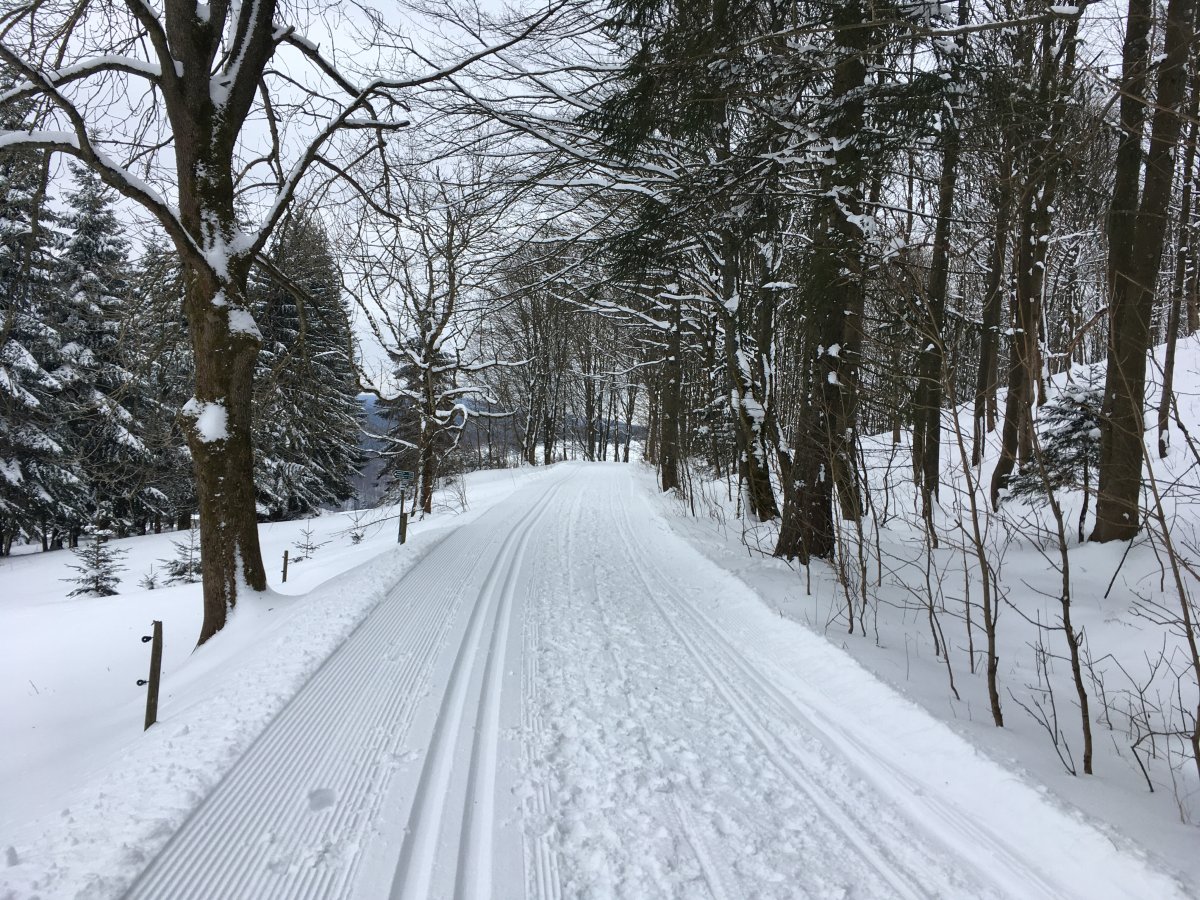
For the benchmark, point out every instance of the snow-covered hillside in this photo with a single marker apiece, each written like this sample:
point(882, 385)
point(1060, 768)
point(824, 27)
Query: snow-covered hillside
point(912, 599)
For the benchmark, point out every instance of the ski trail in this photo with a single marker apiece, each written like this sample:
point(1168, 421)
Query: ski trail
point(670, 774)
point(415, 869)
point(542, 876)
point(293, 816)
point(745, 707)
point(556, 702)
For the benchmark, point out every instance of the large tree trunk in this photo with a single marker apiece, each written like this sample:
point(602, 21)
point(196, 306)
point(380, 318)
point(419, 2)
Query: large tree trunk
point(222, 453)
point(826, 444)
point(206, 123)
point(1137, 232)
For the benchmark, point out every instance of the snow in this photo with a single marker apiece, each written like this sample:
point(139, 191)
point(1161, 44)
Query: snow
point(580, 689)
point(241, 321)
point(569, 694)
point(10, 471)
point(1122, 600)
point(38, 137)
point(86, 797)
point(211, 419)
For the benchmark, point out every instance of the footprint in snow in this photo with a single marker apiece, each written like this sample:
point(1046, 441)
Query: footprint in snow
point(321, 798)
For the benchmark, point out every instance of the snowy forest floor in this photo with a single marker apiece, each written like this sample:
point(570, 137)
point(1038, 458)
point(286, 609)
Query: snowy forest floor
point(562, 698)
point(1125, 605)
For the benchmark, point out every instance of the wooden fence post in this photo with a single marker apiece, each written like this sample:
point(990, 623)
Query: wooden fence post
point(156, 645)
point(285, 560)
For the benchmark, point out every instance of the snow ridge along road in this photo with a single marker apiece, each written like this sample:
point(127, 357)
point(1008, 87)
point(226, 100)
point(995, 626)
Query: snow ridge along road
point(564, 699)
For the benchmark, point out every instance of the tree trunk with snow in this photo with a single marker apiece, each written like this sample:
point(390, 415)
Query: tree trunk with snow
point(222, 453)
point(206, 116)
point(824, 461)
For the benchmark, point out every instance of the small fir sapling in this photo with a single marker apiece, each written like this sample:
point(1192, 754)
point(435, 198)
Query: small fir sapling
point(1069, 441)
point(306, 545)
point(99, 564)
point(149, 581)
point(185, 567)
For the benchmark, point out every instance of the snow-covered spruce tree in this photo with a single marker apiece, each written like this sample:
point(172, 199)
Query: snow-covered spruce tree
point(1068, 444)
point(159, 356)
point(107, 437)
point(307, 417)
point(39, 484)
point(99, 563)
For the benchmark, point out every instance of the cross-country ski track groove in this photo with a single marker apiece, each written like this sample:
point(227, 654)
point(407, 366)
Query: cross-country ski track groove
point(554, 703)
point(341, 734)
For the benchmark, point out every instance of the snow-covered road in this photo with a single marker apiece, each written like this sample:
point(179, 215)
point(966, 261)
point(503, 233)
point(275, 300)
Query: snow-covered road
point(564, 699)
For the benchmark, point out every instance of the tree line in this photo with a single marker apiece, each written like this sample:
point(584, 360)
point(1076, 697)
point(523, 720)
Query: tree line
point(757, 233)
point(95, 371)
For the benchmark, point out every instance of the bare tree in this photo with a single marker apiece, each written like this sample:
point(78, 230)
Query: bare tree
point(1137, 231)
point(204, 114)
point(427, 273)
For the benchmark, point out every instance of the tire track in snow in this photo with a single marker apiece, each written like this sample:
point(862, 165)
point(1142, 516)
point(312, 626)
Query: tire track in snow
point(291, 818)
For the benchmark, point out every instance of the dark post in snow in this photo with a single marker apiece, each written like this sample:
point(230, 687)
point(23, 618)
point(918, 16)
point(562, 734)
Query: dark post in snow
point(402, 534)
point(285, 561)
point(156, 640)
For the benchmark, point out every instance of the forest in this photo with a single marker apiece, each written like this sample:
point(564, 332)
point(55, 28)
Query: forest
point(849, 276)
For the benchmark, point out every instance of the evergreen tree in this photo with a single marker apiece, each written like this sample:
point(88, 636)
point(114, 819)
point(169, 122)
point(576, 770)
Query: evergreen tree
point(1068, 444)
point(161, 360)
point(307, 417)
point(185, 567)
point(107, 436)
point(420, 436)
point(99, 564)
point(39, 483)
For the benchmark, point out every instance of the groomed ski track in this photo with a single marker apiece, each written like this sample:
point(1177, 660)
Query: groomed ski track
point(564, 699)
